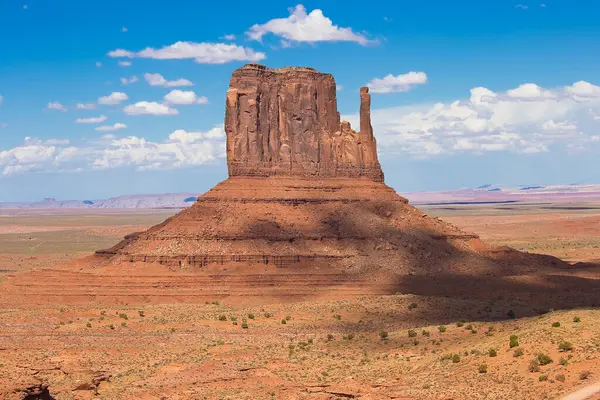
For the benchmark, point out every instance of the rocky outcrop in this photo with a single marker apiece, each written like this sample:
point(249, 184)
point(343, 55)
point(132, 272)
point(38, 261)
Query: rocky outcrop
point(285, 122)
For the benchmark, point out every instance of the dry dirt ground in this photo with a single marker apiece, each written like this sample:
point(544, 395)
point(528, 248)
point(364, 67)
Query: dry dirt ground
point(398, 346)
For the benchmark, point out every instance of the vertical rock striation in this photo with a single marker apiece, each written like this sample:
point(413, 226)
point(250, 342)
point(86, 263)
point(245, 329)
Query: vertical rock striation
point(285, 122)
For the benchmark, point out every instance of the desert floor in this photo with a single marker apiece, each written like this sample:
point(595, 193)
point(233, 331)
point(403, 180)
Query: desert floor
point(399, 346)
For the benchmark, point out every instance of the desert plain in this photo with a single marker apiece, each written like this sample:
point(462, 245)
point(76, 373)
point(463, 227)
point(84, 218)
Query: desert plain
point(426, 345)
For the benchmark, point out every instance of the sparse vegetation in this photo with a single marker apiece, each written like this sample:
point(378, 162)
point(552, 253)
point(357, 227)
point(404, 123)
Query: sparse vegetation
point(412, 306)
point(455, 358)
point(251, 316)
point(412, 333)
point(556, 324)
point(123, 315)
point(560, 377)
point(543, 378)
point(514, 341)
point(544, 359)
point(492, 352)
point(563, 361)
point(576, 319)
point(565, 346)
point(483, 368)
point(442, 328)
point(284, 321)
point(534, 365)
point(222, 317)
point(383, 335)
point(518, 353)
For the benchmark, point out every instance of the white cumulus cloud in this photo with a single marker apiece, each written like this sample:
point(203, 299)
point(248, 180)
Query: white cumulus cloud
point(398, 83)
point(125, 63)
point(93, 120)
point(149, 108)
point(113, 98)
point(528, 119)
point(55, 105)
point(128, 81)
point(85, 106)
point(159, 80)
point(202, 53)
point(179, 97)
point(110, 128)
point(303, 27)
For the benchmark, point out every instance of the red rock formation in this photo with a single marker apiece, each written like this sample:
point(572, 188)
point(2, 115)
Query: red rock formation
point(285, 122)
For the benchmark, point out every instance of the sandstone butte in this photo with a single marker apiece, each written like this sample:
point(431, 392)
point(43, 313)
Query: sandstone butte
point(304, 213)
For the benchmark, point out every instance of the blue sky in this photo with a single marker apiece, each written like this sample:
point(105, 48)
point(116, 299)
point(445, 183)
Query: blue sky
point(464, 92)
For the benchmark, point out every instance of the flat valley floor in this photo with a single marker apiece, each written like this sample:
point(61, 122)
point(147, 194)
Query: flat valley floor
point(399, 346)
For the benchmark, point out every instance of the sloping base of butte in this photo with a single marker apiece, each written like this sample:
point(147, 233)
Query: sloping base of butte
point(304, 215)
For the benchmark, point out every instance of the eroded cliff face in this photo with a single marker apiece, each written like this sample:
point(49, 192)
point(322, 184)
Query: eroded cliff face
point(285, 122)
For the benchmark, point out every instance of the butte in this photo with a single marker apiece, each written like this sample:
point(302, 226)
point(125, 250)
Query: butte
point(304, 214)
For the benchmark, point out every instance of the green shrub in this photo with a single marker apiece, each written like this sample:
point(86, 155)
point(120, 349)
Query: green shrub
point(222, 317)
point(565, 346)
point(250, 316)
point(492, 352)
point(455, 358)
point(349, 336)
point(576, 319)
point(543, 378)
point(284, 321)
point(268, 315)
point(483, 368)
point(560, 377)
point(123, 315)
point(473, 331)
point(244, 325)
point(518, 353)
point(563, 361)
point(123, 324)
point(383, 335)
point(111, 326)
point(556, 324)
point(442, 328)
point(460, 324)
point(544, 359)
point(412, 306)
point(514, 341)
point(310, 341)
point(412, 333)
point(288, 317)
point(337, 316)
point(89, 325)
point(425, 333)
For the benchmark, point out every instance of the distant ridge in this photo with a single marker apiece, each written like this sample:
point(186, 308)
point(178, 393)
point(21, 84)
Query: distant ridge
point(138, 201)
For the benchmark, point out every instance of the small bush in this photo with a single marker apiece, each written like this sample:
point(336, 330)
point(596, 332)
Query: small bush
point(455, 358)
point(473, 331)
point(492, 352)
point(583, 375)
point(469, 327)
point(123, 324)
point(222, 317)
point(576, 320)
point(310, 341)
point(446, 357)
point(563, 361)
point(425, 333)
point(565, 346)
point(349, 336)
point(244, 325)
point(337, 316)
point(514, 341)
point(442, 328)
point(250, 316)
point(383, 335)
point(518, 353)
point(123, 315)
point(288, 317)
point(284, 321)
point(330, 337)
point(534, 365)
point(412, 306)
point(268, 315)
point(556, 324)
point(560, 377)
point(111, 326)
point(460, 324)
point(544, 359)
point(483, 368)
point(89, 325)
point(543, 378)
point(412, 333)
point(141, 313)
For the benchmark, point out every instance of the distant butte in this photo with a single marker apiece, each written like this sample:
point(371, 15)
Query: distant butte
point(303, 213)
